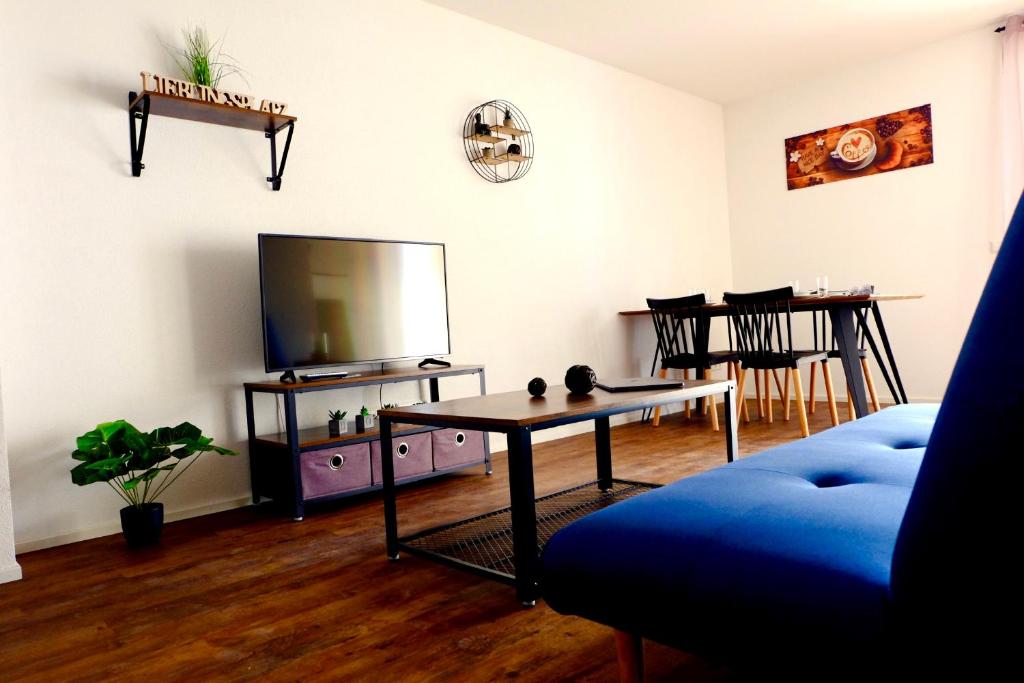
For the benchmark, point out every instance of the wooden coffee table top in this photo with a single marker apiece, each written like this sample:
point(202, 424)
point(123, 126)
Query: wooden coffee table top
point(514, 409)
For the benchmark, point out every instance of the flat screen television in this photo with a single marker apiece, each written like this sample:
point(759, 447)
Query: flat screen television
point(336, 301)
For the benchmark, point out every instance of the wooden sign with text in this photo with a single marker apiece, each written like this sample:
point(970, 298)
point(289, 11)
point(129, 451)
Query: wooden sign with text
point(166, 85)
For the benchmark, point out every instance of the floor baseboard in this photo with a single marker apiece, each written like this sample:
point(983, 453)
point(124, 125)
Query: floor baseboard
point(115, 527)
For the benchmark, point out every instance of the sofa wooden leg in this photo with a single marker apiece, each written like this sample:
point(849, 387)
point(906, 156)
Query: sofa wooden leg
point(630, 651)
point(801, 412)
point(656, 420)
point(826, 373)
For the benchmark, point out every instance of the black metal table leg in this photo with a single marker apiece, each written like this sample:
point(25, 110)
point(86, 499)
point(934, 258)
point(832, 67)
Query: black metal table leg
point(882, 365)
point(845, 331)
point(387, 470)
point(646, 413)
point(732, 439)
point(524, 514)
point(880, 326)
point(603, 447)
point(435, 392)
point(292, 427)
point(250, 428)
point(488, 467)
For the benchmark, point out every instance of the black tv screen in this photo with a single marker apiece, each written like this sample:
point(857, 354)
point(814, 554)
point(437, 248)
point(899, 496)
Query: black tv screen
point(335, 301)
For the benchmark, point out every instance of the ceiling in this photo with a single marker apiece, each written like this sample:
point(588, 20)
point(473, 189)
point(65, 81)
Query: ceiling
point(728, 50)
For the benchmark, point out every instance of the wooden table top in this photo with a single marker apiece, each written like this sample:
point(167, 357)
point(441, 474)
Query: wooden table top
point(800, 301)
point(513, 409)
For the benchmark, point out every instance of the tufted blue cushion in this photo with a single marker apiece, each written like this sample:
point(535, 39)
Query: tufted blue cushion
point(777, 552)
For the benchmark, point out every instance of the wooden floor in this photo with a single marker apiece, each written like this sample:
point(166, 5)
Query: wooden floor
point(248, 594)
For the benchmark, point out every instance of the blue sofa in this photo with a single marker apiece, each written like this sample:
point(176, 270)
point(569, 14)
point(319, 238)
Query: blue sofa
point(881, 549)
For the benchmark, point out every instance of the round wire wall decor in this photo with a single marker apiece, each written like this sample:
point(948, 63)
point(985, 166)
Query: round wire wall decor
point(498, 141)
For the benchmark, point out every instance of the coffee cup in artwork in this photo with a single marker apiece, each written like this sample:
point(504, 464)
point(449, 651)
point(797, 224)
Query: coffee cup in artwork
point(855, 149)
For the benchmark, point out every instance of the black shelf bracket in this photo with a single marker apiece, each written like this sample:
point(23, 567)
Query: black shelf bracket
point(138, 111)
point(276, 171)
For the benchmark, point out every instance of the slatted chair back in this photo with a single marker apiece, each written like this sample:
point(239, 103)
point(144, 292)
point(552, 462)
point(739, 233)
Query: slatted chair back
point(681, 327)
point(763, 326)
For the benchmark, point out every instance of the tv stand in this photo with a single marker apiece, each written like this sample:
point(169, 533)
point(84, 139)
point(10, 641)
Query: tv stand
point(279, 464)
point(288, 377)
point(434, 361)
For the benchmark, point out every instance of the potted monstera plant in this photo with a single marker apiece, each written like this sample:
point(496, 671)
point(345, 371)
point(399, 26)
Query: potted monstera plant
point(139, 467)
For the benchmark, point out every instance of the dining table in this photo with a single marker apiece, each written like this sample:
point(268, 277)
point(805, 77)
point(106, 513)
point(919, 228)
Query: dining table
point(852, 317)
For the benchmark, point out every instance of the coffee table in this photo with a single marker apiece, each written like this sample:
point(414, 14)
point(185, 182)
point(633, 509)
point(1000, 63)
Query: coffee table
point(505, 544)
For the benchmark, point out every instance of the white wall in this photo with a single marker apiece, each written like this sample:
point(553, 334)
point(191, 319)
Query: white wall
point(137, 298)
point(9, 569)
point(922, 230)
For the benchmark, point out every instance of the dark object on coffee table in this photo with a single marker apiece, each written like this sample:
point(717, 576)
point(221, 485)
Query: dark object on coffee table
point(580, 379)
point(537, 387)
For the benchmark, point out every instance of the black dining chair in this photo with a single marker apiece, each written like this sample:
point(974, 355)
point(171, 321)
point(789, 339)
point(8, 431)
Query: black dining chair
point(683, 332)
point(822, 335)
point(763, 325)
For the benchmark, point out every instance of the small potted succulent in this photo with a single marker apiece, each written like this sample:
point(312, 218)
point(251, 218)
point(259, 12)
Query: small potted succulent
point(364, 420)
point(336, 425)
point(138, 466)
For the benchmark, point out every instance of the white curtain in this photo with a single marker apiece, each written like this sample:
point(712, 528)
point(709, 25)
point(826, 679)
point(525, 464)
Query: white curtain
point(1011, 147)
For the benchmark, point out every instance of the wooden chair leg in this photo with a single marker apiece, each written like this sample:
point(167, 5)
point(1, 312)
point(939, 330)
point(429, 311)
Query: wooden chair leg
point(798, 389)
point(826, 373)
point(810, 398)
point(778, 384)
point(869, 380)
point(740, 398)
point(757, 392)
point(630, 652)
point(768, 398)
point(787, 378)
point(709, 404)
point(656, 420)
point(686, 375)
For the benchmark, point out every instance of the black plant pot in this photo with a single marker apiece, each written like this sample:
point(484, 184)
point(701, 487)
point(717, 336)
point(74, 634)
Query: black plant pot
point(142, 525)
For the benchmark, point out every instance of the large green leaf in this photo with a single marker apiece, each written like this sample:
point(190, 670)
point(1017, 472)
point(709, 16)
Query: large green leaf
point(148, 475)
point(117, 448)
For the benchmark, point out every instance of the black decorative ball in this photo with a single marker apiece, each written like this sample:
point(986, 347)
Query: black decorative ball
point(581, 379)
point(537, 387)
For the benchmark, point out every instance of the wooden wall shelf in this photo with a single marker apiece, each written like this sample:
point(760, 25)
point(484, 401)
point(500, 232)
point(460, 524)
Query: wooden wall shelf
point(509, 130)
point(490, 139)
point(141, 105)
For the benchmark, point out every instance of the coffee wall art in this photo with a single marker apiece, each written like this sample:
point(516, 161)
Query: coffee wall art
point(886, 143)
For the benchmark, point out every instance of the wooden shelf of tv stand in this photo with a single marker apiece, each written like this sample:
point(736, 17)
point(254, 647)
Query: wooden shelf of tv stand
point(389, 376)
point(315, 438)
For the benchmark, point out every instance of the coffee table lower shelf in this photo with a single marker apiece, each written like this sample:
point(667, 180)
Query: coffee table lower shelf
point(483, 544)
